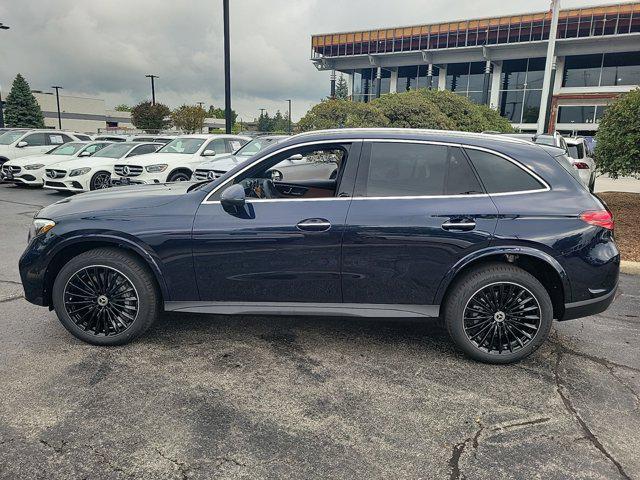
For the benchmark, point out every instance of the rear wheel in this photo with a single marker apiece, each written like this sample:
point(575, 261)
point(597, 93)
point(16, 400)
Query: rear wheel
point(100, 180)
point(106, 297)
point(498, 313)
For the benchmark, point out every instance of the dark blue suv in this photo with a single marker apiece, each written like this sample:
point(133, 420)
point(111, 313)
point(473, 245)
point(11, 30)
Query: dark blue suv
point(494, 235)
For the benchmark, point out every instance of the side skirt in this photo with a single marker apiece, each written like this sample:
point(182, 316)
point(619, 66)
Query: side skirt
point(315, 309)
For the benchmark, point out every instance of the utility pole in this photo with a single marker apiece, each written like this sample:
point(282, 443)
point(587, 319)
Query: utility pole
point(2, 27)
point(153, 88)
point(289, 101)
point(57, 88)
point(549, 70)
point(227, 68)
point(200, 104)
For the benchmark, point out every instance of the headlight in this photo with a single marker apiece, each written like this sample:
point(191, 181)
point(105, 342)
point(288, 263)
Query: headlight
point(40, 226)
point(34, 166)
point(79, 171)
point(156, 168)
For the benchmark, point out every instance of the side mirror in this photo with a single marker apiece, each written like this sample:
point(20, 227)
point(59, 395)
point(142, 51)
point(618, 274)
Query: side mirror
point(85, 154)
point(22, 144)
point(233, 198)
point(209, 153)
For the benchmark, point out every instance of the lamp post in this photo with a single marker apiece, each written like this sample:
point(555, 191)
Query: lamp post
point(2, 27)
point(153, 88)
point(227, 68)
point(289, 101)
point(57, 89)
point(549, 70)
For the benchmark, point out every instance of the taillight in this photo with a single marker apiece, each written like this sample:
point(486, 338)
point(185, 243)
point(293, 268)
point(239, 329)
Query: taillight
point(599, 218)
point(581, 166)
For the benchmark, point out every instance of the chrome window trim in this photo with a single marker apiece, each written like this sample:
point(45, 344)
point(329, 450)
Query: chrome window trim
point(523, 167)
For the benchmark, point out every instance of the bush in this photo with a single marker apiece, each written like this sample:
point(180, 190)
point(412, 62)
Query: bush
point(341, 114)
point(618, 138)
point(412, 110)
point(151, 118)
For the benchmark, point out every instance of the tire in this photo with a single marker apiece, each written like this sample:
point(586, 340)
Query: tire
point(479, 311)
point(592, 184)
point(100, 181)
point(179, 177)
point(106, 323)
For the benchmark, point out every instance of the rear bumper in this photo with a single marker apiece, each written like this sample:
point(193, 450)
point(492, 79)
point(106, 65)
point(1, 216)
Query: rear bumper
point(588, 307)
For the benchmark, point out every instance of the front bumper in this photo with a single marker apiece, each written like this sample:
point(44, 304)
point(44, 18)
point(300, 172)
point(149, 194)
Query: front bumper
point(65, 185)
point(143, 179)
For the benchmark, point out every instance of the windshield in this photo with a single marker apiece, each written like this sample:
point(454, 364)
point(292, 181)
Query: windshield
point(116, 150)
point(254, 146)
point(67, 149)
point(9, 137)
point(575, 151)
point(188, 146)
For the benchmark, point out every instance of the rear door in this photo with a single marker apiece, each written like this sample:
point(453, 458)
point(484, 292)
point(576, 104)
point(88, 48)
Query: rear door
point(418, 208)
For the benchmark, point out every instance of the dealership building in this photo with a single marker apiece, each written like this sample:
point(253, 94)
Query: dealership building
point(499, 61)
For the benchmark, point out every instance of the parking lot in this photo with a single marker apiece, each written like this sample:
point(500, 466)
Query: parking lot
point(267, 397)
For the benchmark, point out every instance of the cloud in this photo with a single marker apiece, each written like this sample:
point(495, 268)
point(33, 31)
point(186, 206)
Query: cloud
point(105, 48)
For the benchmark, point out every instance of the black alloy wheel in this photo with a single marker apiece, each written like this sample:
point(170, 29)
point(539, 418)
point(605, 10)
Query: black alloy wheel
point(502, 317)
point(100, 181)
point(101, 300)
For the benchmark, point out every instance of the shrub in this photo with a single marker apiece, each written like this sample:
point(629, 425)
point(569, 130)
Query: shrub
point(412, 110)
point(150, 118)
point(340, 114)
point(618, 138)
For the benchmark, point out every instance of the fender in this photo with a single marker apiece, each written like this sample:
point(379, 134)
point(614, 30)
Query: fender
point(150, 257)
point(502, 250)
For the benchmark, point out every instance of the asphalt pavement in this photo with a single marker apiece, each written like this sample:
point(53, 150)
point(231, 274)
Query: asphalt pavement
point(272, 397)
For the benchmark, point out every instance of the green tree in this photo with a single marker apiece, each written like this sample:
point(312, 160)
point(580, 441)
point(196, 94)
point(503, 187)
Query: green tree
point(412, 110)
point(340, 114)
point(265, 122)
point(151, 118)
point(21, 108)
point(188, 118)
point(215, 112)
point(123, 107)
point(342, 90)
point(618, 137)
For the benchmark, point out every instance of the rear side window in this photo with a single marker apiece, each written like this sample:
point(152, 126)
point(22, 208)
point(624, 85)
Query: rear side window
point(499, 175)
point(405, 169)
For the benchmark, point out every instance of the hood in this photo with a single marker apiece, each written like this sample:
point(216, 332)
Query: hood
point(80, 162)
point(155, 158)
point(43, 159)
point(223, 162)
point(135, 197)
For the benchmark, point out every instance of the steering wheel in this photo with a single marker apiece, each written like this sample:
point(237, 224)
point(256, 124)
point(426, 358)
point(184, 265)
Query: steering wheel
point(259, 188)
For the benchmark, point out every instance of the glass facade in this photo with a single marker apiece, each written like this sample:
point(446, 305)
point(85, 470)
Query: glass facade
point(602, 70)
point(581, 113)
point(365, 83)
point(466, 79)
point(415, 76)
point(620, 19)
point(521, 89)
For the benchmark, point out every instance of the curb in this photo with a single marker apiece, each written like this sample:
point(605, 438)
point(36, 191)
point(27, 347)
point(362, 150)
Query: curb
point(630, 268)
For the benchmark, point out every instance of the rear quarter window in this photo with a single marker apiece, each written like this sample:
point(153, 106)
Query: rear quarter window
point(500, 175)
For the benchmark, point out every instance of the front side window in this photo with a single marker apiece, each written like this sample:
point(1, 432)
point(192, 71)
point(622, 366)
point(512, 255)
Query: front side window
point(187, 146)
point(404, 169)
point(218, 145)
point(499, 175)
point(8, 138)
point(36, 140)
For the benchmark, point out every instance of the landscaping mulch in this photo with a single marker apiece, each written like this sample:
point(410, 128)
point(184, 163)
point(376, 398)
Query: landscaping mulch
point(626, 212)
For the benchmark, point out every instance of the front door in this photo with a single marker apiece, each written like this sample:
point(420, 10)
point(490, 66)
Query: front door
point(284, 245)
point(417, 210)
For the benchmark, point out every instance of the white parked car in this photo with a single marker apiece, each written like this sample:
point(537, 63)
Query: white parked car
point(94, 172)
point(176, 161)
point(578, 152)
point(221, 164)
point(22, 143)
point(31, 170)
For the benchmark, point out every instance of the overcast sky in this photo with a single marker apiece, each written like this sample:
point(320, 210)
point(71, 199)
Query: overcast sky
point(103, 48)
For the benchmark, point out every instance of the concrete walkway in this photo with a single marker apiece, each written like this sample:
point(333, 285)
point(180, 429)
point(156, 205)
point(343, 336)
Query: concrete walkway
point(621, 184)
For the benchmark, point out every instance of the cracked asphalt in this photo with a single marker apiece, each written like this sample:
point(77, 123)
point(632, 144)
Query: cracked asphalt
point(266, 397)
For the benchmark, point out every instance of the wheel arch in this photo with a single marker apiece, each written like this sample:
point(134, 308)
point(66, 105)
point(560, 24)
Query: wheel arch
point(541, 265)
point(77, 245)
point(186, 170)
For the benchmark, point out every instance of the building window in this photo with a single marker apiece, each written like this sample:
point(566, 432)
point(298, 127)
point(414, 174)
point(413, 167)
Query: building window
point(466, 79)
point(415, 76)
point(604, 70)
point(581, 113)
point(365, 83)
point(521, 89)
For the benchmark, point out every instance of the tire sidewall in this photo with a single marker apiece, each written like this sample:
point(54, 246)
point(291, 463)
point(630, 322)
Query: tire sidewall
point(470, 284)
point(173, 177)
point(147, 302)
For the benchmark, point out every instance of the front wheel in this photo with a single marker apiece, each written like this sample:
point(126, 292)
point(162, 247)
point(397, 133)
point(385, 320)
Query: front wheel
point(179, 177)
point(100, 181)
point(498, 313)
point(106, 297)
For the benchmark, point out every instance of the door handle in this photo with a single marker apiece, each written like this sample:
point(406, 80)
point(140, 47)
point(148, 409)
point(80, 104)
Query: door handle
point(314, 225)
point(461, 225)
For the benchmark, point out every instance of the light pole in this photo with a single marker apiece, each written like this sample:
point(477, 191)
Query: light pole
point(549, 70)
point(57, 88)
point(153, 88)
point(227, 67)
point(2, 27)
point(289, 101)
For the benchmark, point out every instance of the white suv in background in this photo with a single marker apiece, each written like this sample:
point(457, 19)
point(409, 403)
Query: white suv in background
point(578, 151)
point(31, 170)
point(22, 143)
point(94, 172)
point(176, 161)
